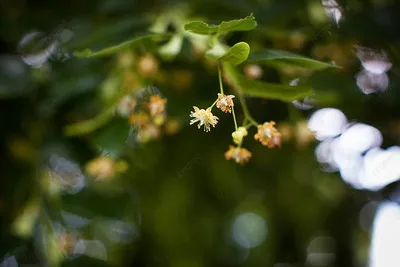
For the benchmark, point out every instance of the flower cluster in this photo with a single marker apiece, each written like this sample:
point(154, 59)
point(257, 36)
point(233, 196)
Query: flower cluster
point(267, 134)
point(147, 114)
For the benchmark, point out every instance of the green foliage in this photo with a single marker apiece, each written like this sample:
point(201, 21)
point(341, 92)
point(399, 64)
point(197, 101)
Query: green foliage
point(90, 125)
point(283, 59)
point(246, 24)
point(236, 54)
point(142, 40)
point(254, 88)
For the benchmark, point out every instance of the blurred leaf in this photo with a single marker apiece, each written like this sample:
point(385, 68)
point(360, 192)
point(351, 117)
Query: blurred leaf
point(234, 55)
point(113, 137)
point(127, 44)
point(171, 49)
point(200, 27)
point(261, 89)
point(89, 125)
point(237, 53)
point(24, 223)
point(280, 58)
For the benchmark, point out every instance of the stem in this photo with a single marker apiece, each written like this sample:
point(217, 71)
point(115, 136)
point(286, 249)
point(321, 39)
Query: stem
point(215, 102)
point(246, 110)
point(221, 87)
point(248, 125)
point(234, 118)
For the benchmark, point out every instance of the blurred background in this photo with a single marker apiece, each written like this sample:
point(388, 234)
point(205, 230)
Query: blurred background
point(111, 192)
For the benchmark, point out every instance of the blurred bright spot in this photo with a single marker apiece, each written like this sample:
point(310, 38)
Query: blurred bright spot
point(9, 262)
point(249, 230)
point(73, 220)
point(333, 9)
point(373, 61)
point(373, 79)
point(26, 219)
point(381, 168)
point(372, 83)
point(66, 174)
point(323, 153)
point(326, 123)
point(91, 248)
point(307, 103)
point(359, 138)
point(384, 251)
point(321, 251)
point(283, 265)
point(367, 214)
point(348, 162)
point(122, 232)
point(36, 49)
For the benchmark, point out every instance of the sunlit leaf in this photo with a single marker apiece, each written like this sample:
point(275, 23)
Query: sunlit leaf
point(237, 53)
point(122, 46)
point(234, 55)
point(199, 27)
point(261, 89)
point(24, 223)
point(279, 58)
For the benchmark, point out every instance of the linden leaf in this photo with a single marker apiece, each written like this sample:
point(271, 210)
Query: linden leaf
point(282, 59)
point(237, 53)
point(246, 24)
point(122, 46)
point(234, 55)
point(254, 88)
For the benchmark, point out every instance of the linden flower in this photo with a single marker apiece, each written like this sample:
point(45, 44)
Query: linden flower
point(204, 117)
point(156, 105)
point(238, 135)
point(225, 102)
point(240, 155)
point(268, 135)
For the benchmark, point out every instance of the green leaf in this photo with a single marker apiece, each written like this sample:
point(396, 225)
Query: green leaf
point(234, 55)
point(279, 58)
point(261, 89)
point(237, 53)
point(122, 46)
point(246, 24)
point(112, 138)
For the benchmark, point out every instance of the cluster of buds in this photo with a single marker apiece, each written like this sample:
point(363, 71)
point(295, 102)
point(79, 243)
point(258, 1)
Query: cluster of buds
point(267, 134)
point(150, 118)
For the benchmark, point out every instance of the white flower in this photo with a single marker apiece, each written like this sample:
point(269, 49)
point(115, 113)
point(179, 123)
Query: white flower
point(204, 117)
